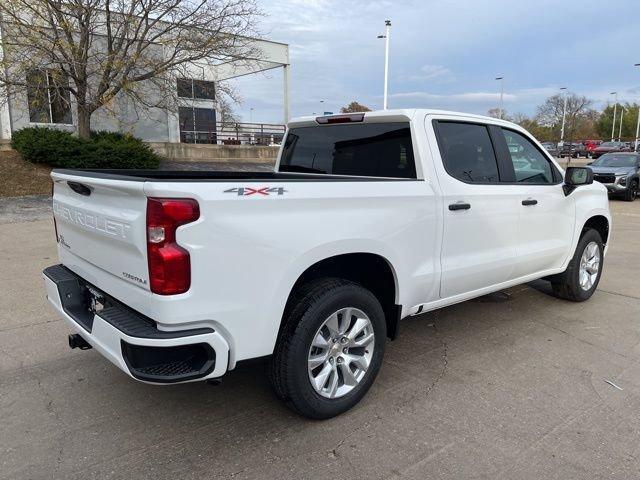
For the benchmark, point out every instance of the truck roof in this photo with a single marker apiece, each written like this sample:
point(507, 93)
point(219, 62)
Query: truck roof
point(396, 115)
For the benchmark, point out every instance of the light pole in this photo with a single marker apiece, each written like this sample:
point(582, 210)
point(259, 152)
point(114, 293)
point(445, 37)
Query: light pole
point(564, 116)
point(620, 129)
point(386, 36)
point(322, 106)
point(615, 108)
point(638, 122)
point(251, 115)
point(501, 96)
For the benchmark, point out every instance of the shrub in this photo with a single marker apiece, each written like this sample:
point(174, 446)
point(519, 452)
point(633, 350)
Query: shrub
point(106, 134)
point(46, 145)
point(62, 149)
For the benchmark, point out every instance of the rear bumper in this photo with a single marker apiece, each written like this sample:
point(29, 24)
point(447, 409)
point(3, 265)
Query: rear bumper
point(131, 341)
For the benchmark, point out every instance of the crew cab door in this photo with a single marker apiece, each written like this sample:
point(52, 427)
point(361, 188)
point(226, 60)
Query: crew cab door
point(480, 214)
point(547, 215)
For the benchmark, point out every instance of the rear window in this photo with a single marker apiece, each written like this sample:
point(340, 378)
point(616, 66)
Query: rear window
point(364, 149)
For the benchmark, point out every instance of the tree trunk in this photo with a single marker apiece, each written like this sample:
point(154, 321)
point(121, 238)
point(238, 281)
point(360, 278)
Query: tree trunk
point(84, 122)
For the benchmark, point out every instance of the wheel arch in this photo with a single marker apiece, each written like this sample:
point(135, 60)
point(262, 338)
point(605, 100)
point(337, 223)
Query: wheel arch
point(600, 223)
point(371, 270)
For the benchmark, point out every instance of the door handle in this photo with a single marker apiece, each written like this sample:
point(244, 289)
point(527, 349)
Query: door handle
point(529, 201)
point(459, 206)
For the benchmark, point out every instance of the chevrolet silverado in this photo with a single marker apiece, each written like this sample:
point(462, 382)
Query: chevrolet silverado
point(365, 220)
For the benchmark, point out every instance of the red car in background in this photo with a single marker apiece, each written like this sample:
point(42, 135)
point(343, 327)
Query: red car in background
point(591, 145)
point(610, 147)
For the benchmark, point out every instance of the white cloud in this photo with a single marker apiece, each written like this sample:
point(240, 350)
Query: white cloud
point(431, 72)
point(457, 97)
point(336, 57)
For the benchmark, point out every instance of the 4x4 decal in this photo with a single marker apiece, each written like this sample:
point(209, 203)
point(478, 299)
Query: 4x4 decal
point(247, 191)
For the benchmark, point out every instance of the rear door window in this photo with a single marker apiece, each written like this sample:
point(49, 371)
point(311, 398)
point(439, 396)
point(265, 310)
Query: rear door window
point(363, 149)
point(467, 152)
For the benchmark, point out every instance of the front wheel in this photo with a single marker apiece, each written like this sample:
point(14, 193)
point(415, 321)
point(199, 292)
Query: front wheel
point(631, 192)
point(330, 349)
point(578, 282)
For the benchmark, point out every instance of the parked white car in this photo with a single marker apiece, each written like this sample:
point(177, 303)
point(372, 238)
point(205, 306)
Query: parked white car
point(367, 219)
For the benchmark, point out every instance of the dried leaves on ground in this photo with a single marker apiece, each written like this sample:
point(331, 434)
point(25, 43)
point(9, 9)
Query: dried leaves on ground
point(18, 177)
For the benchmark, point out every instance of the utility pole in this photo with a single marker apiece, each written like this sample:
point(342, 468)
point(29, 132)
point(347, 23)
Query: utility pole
point(637, 130)
point(615, 107)
point(638, 122)
point(386, 36)
point(501, 96)
point(564, 115)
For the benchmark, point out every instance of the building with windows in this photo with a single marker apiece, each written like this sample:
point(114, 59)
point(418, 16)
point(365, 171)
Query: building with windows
point(194, 119)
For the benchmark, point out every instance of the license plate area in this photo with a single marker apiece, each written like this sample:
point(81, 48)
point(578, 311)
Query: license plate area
point(95, 300)
point(79, 299)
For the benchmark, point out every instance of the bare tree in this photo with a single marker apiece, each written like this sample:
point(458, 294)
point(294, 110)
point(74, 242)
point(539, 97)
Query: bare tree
point(578, 111)
point(90, 52)
point(497, 113)
point(519, 118)
point(226, 114)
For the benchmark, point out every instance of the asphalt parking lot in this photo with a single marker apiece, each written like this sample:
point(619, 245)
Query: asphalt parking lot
point(502, 387)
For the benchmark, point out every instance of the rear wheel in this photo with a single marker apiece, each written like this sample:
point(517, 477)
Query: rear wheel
point(578, 282)
point(330, 349)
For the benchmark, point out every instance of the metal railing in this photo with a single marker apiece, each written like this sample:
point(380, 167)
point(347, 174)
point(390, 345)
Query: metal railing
point(235, 133)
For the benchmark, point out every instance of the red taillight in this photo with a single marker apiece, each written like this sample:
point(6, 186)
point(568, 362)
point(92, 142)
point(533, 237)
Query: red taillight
point(169, 263)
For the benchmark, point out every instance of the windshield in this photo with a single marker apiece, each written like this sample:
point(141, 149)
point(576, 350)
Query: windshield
point(616, 161)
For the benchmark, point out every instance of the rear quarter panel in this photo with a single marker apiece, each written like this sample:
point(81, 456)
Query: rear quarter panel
point(247, 251)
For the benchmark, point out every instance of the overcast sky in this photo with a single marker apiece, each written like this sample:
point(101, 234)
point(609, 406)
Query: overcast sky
point(446, 53)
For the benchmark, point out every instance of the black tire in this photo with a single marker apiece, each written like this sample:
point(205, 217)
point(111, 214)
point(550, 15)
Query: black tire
point(632, 192)
point(311, 305)
point(567, 284)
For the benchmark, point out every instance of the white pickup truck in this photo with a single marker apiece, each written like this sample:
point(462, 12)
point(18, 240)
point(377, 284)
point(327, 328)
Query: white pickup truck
point(367, 219)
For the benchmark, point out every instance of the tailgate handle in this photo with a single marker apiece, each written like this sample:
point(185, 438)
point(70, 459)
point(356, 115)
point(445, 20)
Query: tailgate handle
point(79, 188)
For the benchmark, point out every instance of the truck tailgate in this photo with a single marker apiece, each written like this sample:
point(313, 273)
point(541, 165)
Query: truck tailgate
point(102, 222)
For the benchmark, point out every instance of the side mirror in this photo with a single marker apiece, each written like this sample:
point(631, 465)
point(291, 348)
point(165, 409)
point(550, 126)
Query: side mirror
point(576, 177)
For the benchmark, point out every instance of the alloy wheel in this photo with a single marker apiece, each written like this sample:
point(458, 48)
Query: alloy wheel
point(589, 266)
point(341, 352)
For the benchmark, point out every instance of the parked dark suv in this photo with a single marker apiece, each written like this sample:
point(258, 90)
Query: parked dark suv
point(575, 150)
point(619, 172)
point(551, 147)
